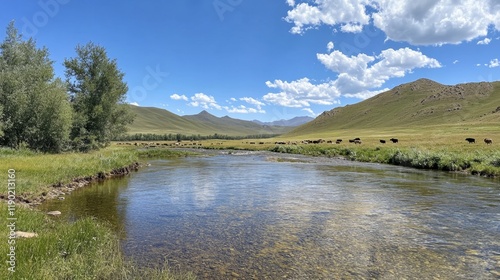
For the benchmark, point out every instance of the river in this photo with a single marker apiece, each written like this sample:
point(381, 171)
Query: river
point(272, 216)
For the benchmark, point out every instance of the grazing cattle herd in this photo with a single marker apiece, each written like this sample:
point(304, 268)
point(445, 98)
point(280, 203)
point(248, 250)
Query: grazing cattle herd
point(356, 140)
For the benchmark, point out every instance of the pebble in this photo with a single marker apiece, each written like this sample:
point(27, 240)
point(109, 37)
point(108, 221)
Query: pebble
point(54, 213)
point(24, 234)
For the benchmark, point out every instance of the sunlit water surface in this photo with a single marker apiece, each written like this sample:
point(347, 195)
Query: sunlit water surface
point(262, 215)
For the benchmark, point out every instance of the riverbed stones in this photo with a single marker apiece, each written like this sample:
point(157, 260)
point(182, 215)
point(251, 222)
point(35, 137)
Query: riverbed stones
point(54, 213)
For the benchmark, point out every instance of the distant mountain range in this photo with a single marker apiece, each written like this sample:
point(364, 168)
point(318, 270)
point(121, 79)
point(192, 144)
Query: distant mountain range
point(160, 121)
point(420, 103)
point(291, 122)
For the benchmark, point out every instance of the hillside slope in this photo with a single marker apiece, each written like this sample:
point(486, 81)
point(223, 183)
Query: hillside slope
point(159, 121)
point(420, 103)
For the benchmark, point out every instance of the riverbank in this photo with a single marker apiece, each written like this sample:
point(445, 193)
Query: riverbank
point(479, 160)
point(84, 249)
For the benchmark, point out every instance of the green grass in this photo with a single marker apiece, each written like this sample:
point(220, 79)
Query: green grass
point(37, 172)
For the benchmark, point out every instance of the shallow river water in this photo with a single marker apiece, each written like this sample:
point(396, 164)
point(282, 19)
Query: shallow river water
point(272, 216)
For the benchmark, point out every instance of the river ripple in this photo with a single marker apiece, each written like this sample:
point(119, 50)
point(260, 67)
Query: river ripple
point(267, 216)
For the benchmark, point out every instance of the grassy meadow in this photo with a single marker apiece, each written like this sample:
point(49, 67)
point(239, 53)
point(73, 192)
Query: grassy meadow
point(438, 147)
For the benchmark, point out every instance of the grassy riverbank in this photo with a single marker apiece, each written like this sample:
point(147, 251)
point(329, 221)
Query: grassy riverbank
point(85, 249)
point(36, 173)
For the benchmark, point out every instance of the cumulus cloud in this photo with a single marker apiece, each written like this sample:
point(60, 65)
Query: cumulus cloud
point(134, 103)
point(302, 93)
point(175, 96)
point(486, 41)
point(494, 63)
point(204, 101)
point(242, 109)
point(424, 22)
point(360, 76)
point(349, 14)
point(253, 101)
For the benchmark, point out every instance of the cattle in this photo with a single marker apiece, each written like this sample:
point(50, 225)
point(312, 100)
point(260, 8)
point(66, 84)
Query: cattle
point(357, 141)
point(339, 140)
point(470, 140)
point(357, 138)
point(382, 141)
point(394, 140)
point(329, 142)
point(488, 141)
point(351, 140)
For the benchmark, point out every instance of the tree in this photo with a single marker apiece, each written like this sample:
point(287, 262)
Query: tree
point(98, 98)
point(36, 110)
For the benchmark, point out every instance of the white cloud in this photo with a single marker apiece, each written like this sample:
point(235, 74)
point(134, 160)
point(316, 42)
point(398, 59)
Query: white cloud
point(494, 63)
point(253, 101)
point(291, 3)
point(243, 110)
point(486, 41)
point(134, 103)
point(423, 22)
point(175, 96)
point(330, 46)
point(456, 61)
point(302, 93)
point(350, 14)
point(310, 111)
point(359, 76)
point(204, 101)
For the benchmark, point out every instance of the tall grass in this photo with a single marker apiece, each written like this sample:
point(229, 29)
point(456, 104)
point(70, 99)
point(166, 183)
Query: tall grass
point(36, 172)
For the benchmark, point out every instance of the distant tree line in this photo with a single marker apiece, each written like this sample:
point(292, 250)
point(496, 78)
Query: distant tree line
point(182, 137)
point(42, 112)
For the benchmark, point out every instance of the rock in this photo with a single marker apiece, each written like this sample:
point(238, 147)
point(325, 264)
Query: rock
point(24, 234)
point(54, 213)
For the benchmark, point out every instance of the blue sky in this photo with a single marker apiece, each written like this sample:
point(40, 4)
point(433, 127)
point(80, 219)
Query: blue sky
point(270, 59)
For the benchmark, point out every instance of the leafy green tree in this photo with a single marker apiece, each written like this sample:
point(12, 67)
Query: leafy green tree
point(36, 111)
point(98, 98)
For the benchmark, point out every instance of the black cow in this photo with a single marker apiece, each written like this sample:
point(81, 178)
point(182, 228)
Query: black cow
point(382, 141)
point(488, 141)
point(351, 140)
point(470, 140)
point(394, 140)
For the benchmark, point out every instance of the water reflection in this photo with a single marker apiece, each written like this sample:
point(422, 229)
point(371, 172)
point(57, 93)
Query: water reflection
point(251, 217)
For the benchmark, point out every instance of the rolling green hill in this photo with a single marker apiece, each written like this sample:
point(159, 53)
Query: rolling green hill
point(423, 103)
point(159, 121)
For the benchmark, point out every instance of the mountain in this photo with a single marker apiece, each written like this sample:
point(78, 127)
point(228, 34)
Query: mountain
point(160, 121)
point(291, 122)
point(419, 103)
